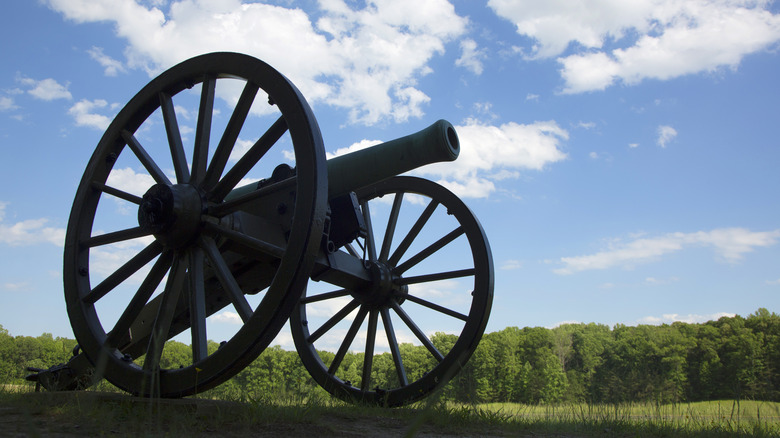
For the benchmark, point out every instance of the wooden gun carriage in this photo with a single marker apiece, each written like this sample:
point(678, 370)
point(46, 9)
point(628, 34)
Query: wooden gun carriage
point(166, 241)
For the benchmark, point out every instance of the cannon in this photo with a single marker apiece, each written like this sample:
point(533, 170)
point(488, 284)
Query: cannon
point(167, 241)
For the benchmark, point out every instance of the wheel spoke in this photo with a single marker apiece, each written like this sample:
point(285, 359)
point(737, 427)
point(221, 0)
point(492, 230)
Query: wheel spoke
point(197, 289)
point(345, 344)
point(249, 241)
point(368, 358)
point(392, 221)
point(114, 237)
point(417, 332)
point(436, 307)
point(245, 164)
point(413, 232)
point(116, 192)
point(422, 255)
point(325, 296)
point(370, 240)
point(394, 350)
point(203, 130)
point(162, 323)
point(122, 327)
point(436, 277)
point(123, 273)
point(335, 319)
point(351, 250)
point(174, 138)
point(145, 159)
point(229, 137)
point(226, 279)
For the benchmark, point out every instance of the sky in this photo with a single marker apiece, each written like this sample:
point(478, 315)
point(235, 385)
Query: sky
point(621, 155)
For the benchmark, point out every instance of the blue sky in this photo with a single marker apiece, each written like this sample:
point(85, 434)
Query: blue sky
point(621, 156)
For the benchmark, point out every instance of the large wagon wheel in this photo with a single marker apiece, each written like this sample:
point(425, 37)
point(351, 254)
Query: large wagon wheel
point(433, 272)
point(123, 314)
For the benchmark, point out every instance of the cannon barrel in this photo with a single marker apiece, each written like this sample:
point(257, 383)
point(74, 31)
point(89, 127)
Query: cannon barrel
point(349, 172)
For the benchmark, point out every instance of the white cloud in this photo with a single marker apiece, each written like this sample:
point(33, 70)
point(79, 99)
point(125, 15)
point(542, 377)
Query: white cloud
point(354, 147)
point(366, 60)
point(491, 153)
point(111, 65)
point(669, 318)
point(29, 232)
point(46, 89)
point(511, 265)
point(730, 245)
point(130, 181)
point(773, 282)
point(14, 287)
point(227, 317)
point(654, 39)
point(471, 57)
point(567, 322)
point(85, 114)
point(665, 135)
point(7, 103)
point(660, 281)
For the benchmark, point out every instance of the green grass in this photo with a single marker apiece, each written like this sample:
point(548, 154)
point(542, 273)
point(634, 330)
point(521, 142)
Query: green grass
point(93, 413)
point(712, 418)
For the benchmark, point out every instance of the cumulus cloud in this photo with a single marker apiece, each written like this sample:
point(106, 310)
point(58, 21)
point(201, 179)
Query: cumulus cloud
point(227, 317)
point(471, 57)
point(29, 232)
point(7, 103)
point(130, 181)
point(111, 65)
point(354, 147)
point(511, 265)
point(729, 244)
point(45, 89)
point(665, 135)
point(653, 39)
point(85, 113)
point(365, 60)
point(669, 318)
point(491, 153)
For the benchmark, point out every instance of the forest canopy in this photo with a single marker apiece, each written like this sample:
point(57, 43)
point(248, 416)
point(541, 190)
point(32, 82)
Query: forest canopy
point(731, 358)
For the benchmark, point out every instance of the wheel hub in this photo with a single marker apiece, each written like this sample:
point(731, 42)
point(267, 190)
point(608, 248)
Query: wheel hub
point(171, 213)
point(383, 289)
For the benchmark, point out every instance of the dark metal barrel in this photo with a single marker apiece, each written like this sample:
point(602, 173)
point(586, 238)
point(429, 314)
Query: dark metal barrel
point(349, 172)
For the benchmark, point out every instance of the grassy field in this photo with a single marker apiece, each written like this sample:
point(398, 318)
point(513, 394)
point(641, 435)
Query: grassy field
point(93, 413)
point(711, 418)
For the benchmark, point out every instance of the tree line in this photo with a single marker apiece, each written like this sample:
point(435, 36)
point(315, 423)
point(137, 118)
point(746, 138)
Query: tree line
point(731, 358)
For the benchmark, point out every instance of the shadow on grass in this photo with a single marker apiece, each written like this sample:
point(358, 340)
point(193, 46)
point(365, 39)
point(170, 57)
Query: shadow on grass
point(99, 413)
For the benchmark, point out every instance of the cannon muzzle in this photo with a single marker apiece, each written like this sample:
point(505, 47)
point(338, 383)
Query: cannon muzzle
point(349, 172)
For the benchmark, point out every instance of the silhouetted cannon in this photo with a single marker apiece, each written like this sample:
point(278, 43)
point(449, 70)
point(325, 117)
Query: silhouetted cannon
point(166, 241)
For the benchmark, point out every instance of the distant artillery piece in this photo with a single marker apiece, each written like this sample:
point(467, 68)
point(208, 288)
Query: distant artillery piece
point(262, 250)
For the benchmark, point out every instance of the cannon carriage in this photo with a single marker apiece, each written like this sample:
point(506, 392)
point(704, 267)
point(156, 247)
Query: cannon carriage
point(167, 240)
